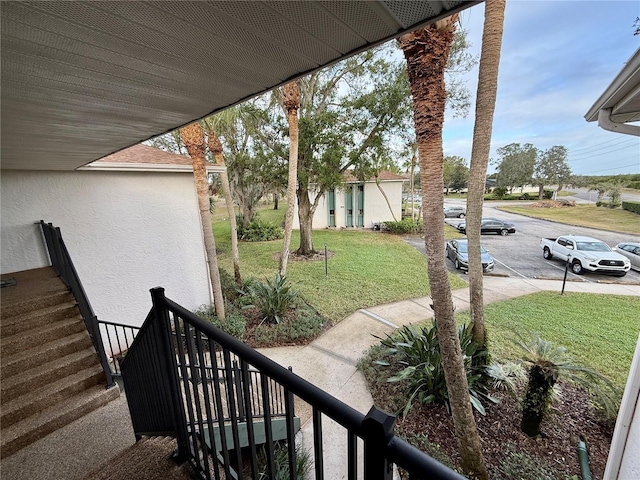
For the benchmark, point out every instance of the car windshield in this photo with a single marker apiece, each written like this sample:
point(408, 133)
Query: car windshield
point(593, 246)
point(462, 248)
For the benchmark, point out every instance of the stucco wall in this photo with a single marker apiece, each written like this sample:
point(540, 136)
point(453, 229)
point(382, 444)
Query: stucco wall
point(126, 232)
point(375, 206)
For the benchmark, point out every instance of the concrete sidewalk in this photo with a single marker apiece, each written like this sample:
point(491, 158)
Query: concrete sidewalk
point(329, 362)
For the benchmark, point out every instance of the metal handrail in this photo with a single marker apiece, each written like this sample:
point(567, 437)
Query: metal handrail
point(62, 263)
point(188, 407)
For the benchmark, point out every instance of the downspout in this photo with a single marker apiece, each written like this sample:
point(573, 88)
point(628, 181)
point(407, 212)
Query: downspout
point(604, 121)
point(583, 458)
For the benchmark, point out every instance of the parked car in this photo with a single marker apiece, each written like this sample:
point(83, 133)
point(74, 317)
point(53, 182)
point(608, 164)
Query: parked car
point(457, 252)
point(455, 212)
point(491, 225)
point(631, 251)
point(585, 254)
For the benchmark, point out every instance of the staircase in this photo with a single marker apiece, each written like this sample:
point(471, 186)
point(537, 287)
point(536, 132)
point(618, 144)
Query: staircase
point(50, 373)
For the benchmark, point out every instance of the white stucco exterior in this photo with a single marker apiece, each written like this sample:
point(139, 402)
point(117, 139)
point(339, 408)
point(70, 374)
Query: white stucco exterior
point(126, 232)
point(376, 209)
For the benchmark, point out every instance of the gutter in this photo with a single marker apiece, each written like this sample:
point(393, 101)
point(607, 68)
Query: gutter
point(604, 121)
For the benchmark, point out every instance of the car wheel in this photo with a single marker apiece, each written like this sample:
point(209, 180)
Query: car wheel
point(576, 267)
point(621, 274)
point(456, 264)
point(546, 253)
point(461, 215)
point(504, 232)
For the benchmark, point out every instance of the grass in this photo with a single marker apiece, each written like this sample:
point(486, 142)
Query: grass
point(616, 220)
point(367, 268)
point(598, 330)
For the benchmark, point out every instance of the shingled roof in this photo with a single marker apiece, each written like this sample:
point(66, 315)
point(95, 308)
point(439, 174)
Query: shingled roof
point(145, 158)
point(384, 176)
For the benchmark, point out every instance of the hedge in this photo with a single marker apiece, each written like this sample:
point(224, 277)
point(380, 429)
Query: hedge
point(631, 207)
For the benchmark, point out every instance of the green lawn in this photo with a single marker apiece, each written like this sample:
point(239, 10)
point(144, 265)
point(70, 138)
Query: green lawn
point(616, 220)
point(367, 268)
point(599, 330)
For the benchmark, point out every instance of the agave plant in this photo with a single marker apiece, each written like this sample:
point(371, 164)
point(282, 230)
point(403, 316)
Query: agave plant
point(546, 364)
point(272, 298)
point(418, 351)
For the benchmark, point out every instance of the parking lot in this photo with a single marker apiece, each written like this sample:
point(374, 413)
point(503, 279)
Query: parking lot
point(519, 255)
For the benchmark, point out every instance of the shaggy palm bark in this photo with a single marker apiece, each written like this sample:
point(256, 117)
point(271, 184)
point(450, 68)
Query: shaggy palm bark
point(306, 210)
point(193, 138)
point(542, 378)
point(426, 52)
point(215, 147)
point(291, 102)
point(485, 106)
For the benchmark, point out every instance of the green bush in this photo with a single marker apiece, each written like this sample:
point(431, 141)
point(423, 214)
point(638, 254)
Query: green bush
point(499, 192)
point(416, 350)
point(403, 227)
point(228, 285)
point(525, 196)
point(307, 324)
point(234, 323)
point(600, 203)
point(631, 206)
point(272, 299)
point(635, 185)
point(547, 194)
point(516, 464)
point(259, 231)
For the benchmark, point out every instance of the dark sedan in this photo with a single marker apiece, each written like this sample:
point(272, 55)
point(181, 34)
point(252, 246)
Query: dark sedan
point(491, 225)
point(457, 252)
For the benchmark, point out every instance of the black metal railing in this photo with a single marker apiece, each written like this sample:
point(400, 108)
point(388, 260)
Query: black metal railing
point(119, 338)
point(179, 378)
point(62, 263)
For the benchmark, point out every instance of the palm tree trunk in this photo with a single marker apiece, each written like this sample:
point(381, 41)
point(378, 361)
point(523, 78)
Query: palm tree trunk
point(485, 106)
point(305, 215)
point(193, 138)
point(536, 398)
point(426, 52)
point(215, 147)
point(291, 98)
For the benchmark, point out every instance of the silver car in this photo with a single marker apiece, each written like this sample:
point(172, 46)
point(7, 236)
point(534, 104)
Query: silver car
point(455, 212)
point(457, 252)
point(631, 251)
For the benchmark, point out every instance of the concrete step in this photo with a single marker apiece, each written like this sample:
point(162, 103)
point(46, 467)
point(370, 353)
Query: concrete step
point(11, 365)
point(29, 380)
point(28, 303)
point(55, 416)
point(59, 391)
point(38, 318)
point(14, 344)
point(148, 459)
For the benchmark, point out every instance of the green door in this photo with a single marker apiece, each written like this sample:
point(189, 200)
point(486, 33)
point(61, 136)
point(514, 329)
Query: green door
point(360, 206)
point(331, 200)
point(348, 205)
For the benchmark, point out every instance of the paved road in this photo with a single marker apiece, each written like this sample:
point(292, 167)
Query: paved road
point(519, 255)
point(592, 196)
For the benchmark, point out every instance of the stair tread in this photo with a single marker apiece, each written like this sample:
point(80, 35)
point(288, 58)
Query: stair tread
point(25, 316)
point(28, 375)
point(42, 330)
point(49, 346)
point(49, 389)
point(61, 413)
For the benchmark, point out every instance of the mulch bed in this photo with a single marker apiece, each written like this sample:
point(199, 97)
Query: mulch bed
point(571, 419)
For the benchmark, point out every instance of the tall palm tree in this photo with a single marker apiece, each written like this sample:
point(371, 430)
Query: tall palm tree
point(193, 138)
point(485, 106)
point(215, 147)
point(426, 52)
point(291, 103)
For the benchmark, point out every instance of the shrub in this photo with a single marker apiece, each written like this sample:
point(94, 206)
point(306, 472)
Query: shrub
point(418, 351)
point(525, 196)
point(403, 227)
point(516, 464)
point(613, 204)
point(631, 206)
point(499, 192)
point(234, 323)
point(272, 299)
point(306, 324)
point(259, 231)
point(228, 285)
point(547, 194)
point(635, 185)
point(281, 462)
point(599, 203)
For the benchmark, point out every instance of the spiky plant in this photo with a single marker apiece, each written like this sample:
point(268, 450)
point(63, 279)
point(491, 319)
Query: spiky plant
point(272, 298)
point(546, 363)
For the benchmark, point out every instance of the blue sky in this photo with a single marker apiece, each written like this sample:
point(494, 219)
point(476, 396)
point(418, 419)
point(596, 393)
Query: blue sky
point(557, 58)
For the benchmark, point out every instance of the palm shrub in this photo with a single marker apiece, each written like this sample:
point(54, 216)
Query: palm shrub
point(416, 350)
point(545, 364)
point(273, 299)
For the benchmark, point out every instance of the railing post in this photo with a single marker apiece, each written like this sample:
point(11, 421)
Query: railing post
point(170, 366)
point(377, 430)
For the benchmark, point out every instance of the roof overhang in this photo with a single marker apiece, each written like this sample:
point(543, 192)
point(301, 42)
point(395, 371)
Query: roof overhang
point(619, 106)
point(83, 79)
point(145, 167)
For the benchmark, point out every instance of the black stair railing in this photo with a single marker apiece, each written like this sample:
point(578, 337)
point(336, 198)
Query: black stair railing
point(179, 379)
point(62, 263)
